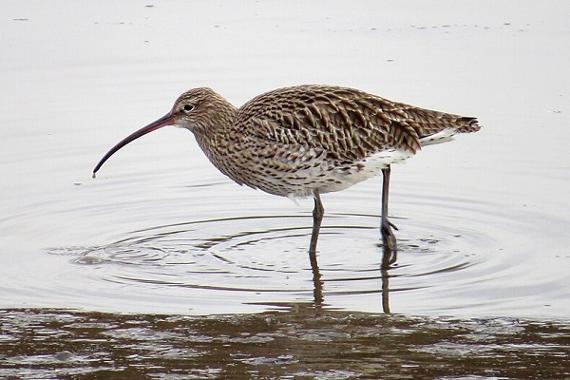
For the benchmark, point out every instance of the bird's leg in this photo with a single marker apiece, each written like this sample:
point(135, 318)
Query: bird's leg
point(318, 213)
point(388, 238)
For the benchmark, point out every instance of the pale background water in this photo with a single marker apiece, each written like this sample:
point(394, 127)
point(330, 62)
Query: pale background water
point(484, 220)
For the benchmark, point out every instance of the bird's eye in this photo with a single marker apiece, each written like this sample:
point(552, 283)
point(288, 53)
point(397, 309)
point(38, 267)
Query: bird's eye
point(188, 108)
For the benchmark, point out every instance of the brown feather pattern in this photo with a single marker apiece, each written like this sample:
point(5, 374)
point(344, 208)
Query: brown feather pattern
point(297, 140)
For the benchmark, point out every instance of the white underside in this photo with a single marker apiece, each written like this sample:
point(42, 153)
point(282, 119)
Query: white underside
point(339, 179)
point(439, 137)
point(378, 161)
point(374, 164)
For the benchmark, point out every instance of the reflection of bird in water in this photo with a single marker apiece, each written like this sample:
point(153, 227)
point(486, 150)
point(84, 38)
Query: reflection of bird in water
point(307, 140)
point(319, 298)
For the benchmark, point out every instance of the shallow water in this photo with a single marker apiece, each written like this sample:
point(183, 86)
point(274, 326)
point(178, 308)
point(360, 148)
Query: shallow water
point(291, 341)
point(483, 221)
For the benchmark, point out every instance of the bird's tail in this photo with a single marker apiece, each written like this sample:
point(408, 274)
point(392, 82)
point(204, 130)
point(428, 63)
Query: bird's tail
point(460, 125)
point(467, 125)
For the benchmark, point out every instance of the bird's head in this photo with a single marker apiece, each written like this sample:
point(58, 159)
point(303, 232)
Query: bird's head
point(199, 110)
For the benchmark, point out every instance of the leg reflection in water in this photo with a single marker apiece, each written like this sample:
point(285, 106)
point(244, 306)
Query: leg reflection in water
point(318, 297)
point(317, 282)
point(387, 257)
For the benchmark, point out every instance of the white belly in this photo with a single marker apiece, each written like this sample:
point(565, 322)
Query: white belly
point(340, 178)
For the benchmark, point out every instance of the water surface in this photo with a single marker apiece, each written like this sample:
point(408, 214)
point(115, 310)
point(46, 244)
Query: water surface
point(483, 221)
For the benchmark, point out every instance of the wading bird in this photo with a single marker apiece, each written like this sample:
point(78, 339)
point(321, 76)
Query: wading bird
point(304, 141)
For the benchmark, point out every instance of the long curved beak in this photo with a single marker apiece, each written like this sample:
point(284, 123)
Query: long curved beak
point(167, 119)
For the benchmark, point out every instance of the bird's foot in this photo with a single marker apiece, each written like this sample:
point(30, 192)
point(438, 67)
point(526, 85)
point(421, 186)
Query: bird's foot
point(392, 225)
point(388, 236)
point(389, 244)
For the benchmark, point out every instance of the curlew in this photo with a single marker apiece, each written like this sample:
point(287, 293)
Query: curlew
point(304, 141)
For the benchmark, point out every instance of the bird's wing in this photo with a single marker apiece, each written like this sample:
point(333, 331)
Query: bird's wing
point(345, 123)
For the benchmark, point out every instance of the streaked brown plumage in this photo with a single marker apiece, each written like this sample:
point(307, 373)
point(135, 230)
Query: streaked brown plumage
point(307, 140)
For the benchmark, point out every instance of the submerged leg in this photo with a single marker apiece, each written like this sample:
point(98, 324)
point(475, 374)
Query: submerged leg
point(318, 213)
point(388, 238)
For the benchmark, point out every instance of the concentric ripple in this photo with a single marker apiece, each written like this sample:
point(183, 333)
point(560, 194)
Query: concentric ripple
point(454, 253)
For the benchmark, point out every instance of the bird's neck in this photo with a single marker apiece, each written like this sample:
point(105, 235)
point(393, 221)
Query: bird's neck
point(215, 135)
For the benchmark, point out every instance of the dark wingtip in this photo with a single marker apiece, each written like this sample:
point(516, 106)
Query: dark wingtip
point(470, 124)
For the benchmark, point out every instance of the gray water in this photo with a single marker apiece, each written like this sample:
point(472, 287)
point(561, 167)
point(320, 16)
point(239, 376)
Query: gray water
point(483, 220)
